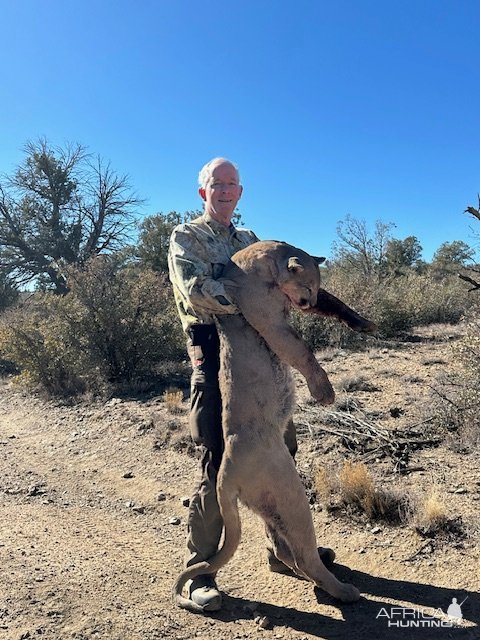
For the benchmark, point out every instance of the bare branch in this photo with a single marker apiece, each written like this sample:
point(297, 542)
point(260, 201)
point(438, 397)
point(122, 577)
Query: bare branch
point(474, 212)
point(476, 285)
point(59, 208)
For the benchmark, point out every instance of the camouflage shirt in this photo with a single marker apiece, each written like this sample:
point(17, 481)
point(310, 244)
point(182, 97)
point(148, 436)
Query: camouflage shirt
point(197, 254)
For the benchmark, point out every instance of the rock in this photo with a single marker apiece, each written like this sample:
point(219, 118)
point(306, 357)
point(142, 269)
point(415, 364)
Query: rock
point(138, 509)
point(461, 490)
point(375, 530)
point(36, 490)
point(396, 412)
point(175, 520)
point(185, 500)
point(128, 475)
point(161, 497)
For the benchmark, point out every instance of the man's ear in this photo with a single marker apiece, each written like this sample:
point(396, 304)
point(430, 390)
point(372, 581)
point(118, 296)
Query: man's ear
point(319, 260)
point(201, 191)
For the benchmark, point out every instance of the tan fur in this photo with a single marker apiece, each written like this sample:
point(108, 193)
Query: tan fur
point(257, 399)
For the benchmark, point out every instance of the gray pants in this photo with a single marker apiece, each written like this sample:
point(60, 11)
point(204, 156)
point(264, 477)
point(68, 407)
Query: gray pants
point(204, 519)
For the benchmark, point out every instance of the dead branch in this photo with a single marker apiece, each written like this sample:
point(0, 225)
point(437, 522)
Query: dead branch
point(476, 285)
point(369, 440)
point(419, 551)
point(474, 212)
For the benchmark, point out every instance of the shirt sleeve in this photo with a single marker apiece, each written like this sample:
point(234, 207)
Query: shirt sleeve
point(191, 272)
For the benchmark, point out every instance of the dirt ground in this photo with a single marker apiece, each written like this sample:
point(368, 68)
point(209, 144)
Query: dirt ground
point(93, 520)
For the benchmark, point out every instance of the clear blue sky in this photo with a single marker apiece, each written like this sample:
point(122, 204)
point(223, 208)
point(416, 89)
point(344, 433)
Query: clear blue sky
point(366, 107)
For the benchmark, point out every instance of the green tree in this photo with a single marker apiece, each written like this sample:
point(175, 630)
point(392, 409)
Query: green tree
point(450, 257)
point(402, 254)
point(155, 232)
point(61, 207)
point(8, 292)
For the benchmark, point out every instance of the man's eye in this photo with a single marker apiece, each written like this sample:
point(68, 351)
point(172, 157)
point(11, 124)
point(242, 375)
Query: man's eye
point(219, 185)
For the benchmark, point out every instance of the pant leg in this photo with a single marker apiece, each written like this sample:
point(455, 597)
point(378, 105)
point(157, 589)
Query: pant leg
point(204, 519)
point(205, 522)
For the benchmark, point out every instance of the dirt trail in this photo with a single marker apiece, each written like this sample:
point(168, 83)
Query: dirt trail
point(89, 548)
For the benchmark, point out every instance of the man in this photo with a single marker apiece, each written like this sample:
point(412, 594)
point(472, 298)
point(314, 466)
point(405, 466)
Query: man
point(198, 252)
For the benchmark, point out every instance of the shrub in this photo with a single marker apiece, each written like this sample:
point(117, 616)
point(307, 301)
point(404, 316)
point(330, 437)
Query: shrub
point(126, 319)
point(115, 326)
point(458, 397)
point(395, 303)
point(317, 332)
point(431, 301)
point(34, 338)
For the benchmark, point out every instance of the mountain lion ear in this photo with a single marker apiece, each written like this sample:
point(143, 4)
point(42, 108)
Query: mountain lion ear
point(319, 260)
point(294, 264)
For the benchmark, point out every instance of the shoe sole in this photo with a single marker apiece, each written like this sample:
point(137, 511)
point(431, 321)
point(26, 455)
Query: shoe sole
point(208, 601)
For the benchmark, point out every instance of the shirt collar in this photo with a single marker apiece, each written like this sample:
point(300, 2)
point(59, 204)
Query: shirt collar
point(217, 227)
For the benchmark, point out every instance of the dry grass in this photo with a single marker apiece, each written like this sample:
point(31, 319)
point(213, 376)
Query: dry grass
point(434, 522)
point(328, 354)
point(356, 383)
point(175, 435)
point(356, 483)
point(375, 353)
point(428, 362)
point(432, 513)
point(413, 379)
point(440, 332)
point(355, 491)
point(324, 486)
point(173, 398)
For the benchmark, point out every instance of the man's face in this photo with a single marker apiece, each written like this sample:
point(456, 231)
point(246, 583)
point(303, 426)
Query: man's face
point(222, 193)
